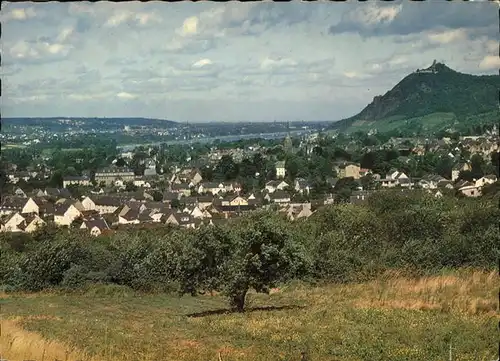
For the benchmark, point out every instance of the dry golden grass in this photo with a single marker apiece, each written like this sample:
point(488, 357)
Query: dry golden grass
point(393, 317)
point(466, 294)
point(19, 344)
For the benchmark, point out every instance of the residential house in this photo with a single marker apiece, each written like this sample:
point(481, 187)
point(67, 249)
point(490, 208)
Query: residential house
point(280, 169)
point(233, 201)
point(445, 183)
point(20, 193)
point(232, 187)
point(175, 179)
point(273, 186)
point(182, 188)
point(204, 201)
point(488, 179)
point(470, 190)
point(301, 186)
point(76, 180)
point(109, 176)
point(190, 176)
point(278, 197)
point(395, 178)
point(141, 182)
point(88, 204)
point(200, 213)
point(150, 168)
point(127, 155)
point(96, 226)
point(11, 225)
point(346, 170)
point(460, 167)
point(65, 213)
point(181, 219)
point(15, 177)
point(32, 206)
point(210, 187)
point(32, 222)
point(295, 212)
point(107, 204)
point(430, 181)
point(131, 216)
point(56, 193)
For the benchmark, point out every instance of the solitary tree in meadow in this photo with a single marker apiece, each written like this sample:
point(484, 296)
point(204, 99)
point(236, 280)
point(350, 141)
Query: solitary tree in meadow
point(257, 252)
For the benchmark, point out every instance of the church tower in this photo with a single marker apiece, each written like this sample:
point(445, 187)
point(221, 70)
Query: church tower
point(288, 144)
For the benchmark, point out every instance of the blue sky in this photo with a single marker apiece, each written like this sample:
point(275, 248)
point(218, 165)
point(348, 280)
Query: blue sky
point(230, 61)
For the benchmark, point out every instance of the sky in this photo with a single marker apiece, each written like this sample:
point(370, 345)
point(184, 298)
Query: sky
point(201, 62)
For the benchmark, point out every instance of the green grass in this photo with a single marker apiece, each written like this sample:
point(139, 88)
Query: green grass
point(390, 319)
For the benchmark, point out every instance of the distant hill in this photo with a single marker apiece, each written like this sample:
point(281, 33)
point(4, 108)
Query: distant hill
point(61, 123)
point(434, 98)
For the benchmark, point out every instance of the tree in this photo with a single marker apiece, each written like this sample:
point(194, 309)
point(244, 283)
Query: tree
point(367, 182)
point(444, 167)
point(56, 180)
point(120, 162)
point(477, 166)
point(207, 173)
point(258, 251)
point(226, 169)
point(157, 196)
point(175, 203)
point(495, 162)
point(130, 187)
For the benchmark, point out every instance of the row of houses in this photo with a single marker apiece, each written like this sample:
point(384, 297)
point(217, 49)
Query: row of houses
point(98, 213)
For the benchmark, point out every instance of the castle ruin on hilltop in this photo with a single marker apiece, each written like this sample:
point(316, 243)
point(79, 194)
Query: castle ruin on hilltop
point(432, 69)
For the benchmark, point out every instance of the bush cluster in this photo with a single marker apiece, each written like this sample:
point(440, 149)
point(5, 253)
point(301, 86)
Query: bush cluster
point(338, 243)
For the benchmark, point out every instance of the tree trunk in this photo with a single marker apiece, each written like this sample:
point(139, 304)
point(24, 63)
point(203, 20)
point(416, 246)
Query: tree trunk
point(238, 301)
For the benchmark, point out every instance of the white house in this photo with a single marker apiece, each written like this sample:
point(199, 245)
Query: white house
point(488, 179)
point(65, 214)
point(88, 204)
point(280, 169)
point(273, 186)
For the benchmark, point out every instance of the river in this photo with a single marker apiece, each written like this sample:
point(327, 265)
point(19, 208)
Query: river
point(225, 138)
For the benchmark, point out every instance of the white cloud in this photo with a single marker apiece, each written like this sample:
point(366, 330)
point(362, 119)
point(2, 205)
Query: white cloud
point(375, 14)
point(351, 74)
point(490, 62)
point(193, 61)
point(270, 63)
point(398, 60)
point(65, 34)
point(123, 16)
point(125, 95)
point(202, 62)
point(190, 26)
point(146, 18)
point(118, 18)
point(447, 37)
point(20, 14)
point(492, 46)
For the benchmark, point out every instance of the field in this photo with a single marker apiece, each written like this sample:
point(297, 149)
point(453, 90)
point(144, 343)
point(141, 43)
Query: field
point(393, 318)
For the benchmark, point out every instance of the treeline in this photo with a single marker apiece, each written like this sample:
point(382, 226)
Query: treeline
point(340, 243)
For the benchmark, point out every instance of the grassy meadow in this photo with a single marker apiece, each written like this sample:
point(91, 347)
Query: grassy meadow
point(392, 318)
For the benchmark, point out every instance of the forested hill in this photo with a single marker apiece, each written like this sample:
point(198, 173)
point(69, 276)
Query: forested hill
point(435, 90)
point(60, 123)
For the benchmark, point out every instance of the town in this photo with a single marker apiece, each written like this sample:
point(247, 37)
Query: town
point(206, 185)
